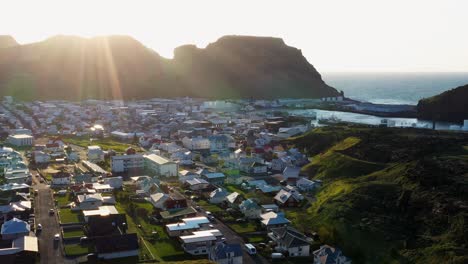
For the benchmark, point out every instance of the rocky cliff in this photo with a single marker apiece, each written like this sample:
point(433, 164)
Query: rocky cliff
point(451, 106)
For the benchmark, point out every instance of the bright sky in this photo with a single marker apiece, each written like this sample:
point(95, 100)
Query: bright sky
point(357, 35)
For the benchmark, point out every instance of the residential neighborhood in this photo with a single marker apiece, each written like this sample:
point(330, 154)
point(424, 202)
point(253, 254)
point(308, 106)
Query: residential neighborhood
point(156, 180)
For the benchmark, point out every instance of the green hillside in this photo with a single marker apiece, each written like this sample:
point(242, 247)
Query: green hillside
point(390, 195)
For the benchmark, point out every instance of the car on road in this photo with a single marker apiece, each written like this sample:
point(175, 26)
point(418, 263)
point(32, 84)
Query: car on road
point(41, 180)
point(57, 237)
point(51, 211)
point(250, 249)
point(36, 191)
point(208, 213)
point(211, 226)
point(198, 208)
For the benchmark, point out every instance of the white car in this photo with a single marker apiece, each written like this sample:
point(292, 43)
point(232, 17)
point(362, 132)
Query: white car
point(57, 237)
point(39, 227)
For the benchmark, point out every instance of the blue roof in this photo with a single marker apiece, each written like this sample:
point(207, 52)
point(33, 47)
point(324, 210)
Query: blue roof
point(222, 250)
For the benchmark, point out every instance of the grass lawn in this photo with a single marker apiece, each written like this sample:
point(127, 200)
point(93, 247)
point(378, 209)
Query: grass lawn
point(209, 207)
point(244, 227)
point(76, 250)
point(73, 233)
point(104, 143)
point(62, 200)
point(257, 239)
point(67, 216)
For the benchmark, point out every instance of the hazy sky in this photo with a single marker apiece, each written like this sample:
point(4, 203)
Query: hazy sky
point(357, 35)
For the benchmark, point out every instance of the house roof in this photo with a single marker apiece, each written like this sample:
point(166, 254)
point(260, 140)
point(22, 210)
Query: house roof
point(327, 254)
point(283, 195)
point(225, 251)
point(219, 192)
point(188, 223)
point(214, 175)
point(116, 243)
point(291, 172)
point(231, 198)
point(196, 181)
point(157, 159)
point(290, 236)
point(249, 204)
point(15, 226)
point(272, 218)
point(90, 197)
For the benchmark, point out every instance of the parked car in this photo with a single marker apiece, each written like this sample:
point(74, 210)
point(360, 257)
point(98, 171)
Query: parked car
point(250, 249)
point(57, 237)
point(39, 227)
point(51, 211)
point(276, 255)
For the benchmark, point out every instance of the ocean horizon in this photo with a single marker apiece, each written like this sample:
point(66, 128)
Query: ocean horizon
point(394, 88)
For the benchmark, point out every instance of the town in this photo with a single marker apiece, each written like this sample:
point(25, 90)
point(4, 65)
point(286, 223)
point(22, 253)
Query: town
point(155, 180)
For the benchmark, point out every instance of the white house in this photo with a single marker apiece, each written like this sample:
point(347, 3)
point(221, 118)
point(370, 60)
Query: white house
point(200, 242)
point(196, 143)
point(160, 165)
point(126, 163)
point(88, 202)
point(197, 184)
point(250, 209)
point(291, 241)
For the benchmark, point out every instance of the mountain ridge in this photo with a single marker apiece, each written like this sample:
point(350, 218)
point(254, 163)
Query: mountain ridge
point(449, 106)
point(120, 67)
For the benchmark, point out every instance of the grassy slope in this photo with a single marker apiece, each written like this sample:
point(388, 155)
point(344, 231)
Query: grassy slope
point(368, 174)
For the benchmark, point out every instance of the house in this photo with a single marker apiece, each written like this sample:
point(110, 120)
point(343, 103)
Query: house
point(61, 178)
point(164, 201)
point(234, 200)
point(188, 225)
point(273, 219)
point(290, 241)
point(95, 154)
point(220, 143)
point(306, 185)
point(20, 140)
point(196, 143)
point(88, 202)
point(288, 198)
point(102, 188)
point(160, 165)
point(330, 255)
point(218, 196)
point(101, 211)
point(197, 184)
point(127, 163)
point(258, 168)
point(116, 246)
point(114, 182)
point(270, 208)
point(40, 157)
point(216, 178)
point(200, 242)
point(106, 224)
point(250, 209)
point(186, 175)
point(23, 249)
point(223, 253)
point(14, 228)
point(291, 174)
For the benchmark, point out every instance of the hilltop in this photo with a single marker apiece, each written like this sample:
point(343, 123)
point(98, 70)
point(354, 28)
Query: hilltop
point(450, 105)
point(389, 195)
point(120, 67)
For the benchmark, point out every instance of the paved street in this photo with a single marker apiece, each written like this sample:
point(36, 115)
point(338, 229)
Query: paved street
point(49, 249)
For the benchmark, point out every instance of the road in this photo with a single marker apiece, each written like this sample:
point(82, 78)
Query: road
point(50, 250)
